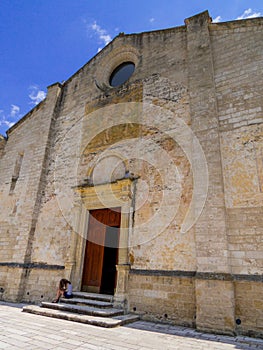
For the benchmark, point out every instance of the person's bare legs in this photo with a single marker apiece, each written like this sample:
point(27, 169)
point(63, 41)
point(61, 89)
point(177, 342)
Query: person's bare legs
point(60, 294)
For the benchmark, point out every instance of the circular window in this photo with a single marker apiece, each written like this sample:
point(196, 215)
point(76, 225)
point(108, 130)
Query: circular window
point(122, 73)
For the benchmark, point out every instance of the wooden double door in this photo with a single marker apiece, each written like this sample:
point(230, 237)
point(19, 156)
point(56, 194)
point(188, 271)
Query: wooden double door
point(101, 253)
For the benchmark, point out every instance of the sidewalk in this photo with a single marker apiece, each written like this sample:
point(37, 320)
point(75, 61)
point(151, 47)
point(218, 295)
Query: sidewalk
point(20, 330)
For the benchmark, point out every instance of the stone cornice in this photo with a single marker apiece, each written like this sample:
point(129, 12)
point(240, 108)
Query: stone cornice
point(199, 275)
point(106, 195)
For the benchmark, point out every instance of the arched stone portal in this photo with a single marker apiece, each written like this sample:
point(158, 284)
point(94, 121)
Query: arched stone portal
point(113, 195)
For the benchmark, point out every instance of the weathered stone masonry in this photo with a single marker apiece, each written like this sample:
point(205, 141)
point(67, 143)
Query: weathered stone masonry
point(191, 109)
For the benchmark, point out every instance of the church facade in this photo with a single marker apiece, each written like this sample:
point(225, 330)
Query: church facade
point(141, 176)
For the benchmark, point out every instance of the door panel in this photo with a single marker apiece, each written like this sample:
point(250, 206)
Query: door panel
point(99, 271)
point(94, 255)
point(113, 217)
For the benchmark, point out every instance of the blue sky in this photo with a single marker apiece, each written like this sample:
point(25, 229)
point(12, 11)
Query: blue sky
point(46, 41)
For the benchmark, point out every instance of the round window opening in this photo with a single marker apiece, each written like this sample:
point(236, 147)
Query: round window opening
point(122, 73)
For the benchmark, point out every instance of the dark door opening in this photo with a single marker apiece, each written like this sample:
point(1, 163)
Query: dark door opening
point(101, 254)
point(108, 280)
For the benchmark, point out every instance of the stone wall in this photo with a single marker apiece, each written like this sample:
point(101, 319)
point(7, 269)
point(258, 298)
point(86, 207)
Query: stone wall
point(240, 108)
point(22, 176)
point(238, 91)
point(249, 308)
point(2, 145)
point(157, 297)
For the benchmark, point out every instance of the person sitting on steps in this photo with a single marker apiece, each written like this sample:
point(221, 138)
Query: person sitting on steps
point(64, 290)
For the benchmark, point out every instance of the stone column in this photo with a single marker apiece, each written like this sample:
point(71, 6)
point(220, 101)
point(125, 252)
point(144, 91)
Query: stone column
point(74, 263)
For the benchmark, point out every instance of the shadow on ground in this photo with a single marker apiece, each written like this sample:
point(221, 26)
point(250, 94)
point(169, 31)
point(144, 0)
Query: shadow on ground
point(239, 342)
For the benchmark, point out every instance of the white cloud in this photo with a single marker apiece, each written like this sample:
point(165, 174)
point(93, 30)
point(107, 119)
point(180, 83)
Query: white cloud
point(103, 35)
point(151, 20)
point(6, 122)
point(11, 118)
point(36, 95)
point(217, 19)
point(14, 110)
point(249, 14)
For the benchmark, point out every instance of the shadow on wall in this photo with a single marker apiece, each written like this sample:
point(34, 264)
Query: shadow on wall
point(1, 293)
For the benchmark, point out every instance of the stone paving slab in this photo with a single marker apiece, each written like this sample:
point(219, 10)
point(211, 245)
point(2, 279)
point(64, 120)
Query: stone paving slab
point(20, 330)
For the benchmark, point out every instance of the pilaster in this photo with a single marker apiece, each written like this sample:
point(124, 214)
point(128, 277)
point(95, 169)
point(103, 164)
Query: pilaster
point(121, 293)
point(210, 228)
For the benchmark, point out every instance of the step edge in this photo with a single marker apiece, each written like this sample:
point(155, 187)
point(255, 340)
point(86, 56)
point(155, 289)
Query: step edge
point(82, 310)
point(101, 322)
point(94, 296)
point(76, 301)
point(75, 317)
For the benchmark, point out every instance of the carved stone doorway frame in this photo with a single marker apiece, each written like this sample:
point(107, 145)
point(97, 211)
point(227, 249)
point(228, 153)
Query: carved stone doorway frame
point(112, 195)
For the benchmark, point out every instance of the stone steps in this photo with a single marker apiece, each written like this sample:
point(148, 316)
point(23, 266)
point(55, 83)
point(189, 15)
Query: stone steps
point(107, 322)
point(89, 308)
point(93, 296)
point(87, 302)
point(85, 310)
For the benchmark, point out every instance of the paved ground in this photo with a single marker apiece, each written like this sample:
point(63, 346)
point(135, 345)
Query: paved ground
point(20, 330)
